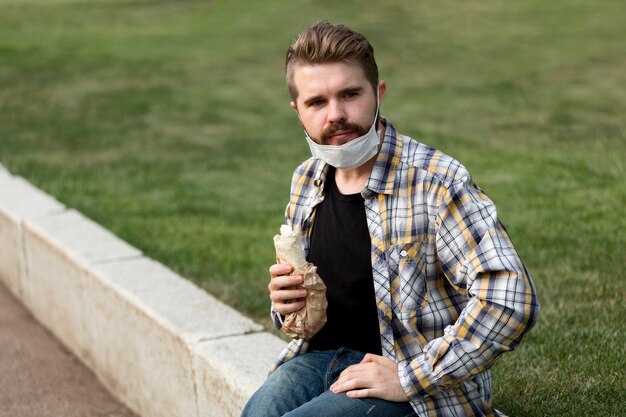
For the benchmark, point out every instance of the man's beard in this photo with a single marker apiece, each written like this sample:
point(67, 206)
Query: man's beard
point(336, 127)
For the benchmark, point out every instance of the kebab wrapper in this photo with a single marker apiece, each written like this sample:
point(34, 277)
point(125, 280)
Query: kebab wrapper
point(307, 321)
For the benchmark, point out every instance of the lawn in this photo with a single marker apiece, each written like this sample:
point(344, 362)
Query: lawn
point(168, 123)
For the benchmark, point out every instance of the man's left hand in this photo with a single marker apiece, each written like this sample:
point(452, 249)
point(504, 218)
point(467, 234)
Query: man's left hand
point(376, 376)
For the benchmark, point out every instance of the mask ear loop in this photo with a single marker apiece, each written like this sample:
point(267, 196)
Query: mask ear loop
point(376, 116)
point(377, 105)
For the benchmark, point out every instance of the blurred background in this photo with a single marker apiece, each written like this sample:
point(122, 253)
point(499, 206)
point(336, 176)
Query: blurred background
point(169, 124)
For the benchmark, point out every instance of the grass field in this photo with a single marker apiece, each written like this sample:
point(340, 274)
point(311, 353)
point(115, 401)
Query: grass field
point(168, 123)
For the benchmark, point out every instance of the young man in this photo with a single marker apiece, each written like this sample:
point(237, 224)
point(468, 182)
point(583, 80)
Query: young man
point(425, 289)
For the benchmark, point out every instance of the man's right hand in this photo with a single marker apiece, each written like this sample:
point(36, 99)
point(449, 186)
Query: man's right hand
point(285, 293)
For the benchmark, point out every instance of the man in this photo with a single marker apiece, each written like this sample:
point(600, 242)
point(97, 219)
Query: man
point(425, 289)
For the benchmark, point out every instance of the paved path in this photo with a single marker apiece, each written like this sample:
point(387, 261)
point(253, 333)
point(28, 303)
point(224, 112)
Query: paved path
point(39, 377)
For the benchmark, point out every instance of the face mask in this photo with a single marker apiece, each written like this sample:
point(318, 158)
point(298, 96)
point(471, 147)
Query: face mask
point(351, 154)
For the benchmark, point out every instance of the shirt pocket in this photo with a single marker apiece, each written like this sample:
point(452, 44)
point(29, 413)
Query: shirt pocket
point(409, 270)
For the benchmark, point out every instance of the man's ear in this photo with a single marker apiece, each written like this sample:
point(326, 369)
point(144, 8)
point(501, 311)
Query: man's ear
point(382, 89)
point(294, 107)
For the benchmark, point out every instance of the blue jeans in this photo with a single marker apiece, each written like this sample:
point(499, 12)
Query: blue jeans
point(299, 388)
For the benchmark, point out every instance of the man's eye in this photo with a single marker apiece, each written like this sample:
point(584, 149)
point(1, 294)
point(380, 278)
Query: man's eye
point(351, 94)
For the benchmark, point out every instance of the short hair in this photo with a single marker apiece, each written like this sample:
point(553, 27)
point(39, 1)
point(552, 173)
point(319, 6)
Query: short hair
point(326, 43)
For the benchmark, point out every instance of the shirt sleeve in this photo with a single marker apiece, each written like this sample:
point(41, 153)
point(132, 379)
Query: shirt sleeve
point(478, 258)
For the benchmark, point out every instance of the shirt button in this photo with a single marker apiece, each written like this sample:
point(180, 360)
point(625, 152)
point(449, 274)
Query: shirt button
point(403, 253)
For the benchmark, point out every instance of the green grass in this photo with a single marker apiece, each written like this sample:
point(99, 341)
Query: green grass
point(168, 123)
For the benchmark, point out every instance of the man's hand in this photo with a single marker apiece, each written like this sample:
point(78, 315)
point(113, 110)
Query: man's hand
point(286, 297)
point(376, 376)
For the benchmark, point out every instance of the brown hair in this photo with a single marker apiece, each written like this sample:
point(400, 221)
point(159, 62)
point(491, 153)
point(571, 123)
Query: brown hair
point(325, 43)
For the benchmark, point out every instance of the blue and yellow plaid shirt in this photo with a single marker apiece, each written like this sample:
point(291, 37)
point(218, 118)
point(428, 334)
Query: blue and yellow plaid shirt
point(451, 291)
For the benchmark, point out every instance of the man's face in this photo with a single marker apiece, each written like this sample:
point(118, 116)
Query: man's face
point(335, 103)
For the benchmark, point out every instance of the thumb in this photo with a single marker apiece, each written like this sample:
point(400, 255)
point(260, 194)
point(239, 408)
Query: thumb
point(370, 357)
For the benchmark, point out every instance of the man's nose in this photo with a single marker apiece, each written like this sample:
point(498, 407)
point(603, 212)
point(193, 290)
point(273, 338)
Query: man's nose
point(336, 112)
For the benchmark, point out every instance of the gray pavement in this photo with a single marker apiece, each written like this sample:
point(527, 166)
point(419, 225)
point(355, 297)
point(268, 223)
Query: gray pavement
point(39, 377)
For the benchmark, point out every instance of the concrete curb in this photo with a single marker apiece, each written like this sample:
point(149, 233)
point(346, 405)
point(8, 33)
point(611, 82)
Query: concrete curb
point(160, 344)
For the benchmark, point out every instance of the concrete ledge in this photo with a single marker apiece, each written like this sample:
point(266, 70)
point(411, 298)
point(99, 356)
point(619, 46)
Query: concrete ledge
point(160, 344)
point(219, 396)
point(18, 200)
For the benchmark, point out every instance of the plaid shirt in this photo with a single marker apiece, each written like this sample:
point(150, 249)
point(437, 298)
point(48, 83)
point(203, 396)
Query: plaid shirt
point(451, 291)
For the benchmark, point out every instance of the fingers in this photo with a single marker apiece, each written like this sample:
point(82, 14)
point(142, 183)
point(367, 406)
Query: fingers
point(284, 281)
point(288, 301)
point(280, 269)
point(285, 294)
point(364, 393)
point(370, 357)
point(375, 376)
point(287, 308)
point(355, 376)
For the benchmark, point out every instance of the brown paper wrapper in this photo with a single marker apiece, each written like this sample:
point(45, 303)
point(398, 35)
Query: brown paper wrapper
point(307, 321)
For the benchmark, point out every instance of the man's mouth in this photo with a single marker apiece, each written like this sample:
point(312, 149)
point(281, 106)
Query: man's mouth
point(339, 136)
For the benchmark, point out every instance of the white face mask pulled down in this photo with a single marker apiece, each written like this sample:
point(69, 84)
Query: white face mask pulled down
point(351, 154)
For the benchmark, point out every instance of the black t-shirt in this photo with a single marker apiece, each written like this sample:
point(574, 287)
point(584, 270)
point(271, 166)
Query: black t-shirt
point(341, 250)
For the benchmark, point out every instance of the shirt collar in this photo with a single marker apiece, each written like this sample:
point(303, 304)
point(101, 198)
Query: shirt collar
point(382, 177)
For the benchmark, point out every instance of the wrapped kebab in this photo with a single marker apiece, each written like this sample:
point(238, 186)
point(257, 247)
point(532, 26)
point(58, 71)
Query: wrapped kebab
point(307, 321)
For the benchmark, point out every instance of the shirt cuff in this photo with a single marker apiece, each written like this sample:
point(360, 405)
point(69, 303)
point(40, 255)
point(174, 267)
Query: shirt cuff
point(276, 318)
point(415, 383)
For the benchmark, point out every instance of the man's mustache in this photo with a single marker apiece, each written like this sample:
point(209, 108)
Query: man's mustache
point(337, 127)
